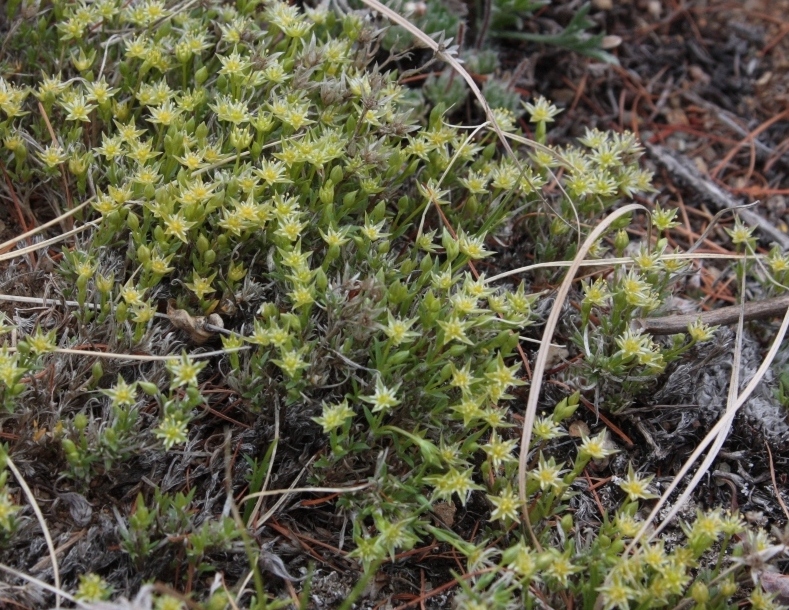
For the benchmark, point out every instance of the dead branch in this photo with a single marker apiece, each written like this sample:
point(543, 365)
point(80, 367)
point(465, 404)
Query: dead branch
point(755, 310)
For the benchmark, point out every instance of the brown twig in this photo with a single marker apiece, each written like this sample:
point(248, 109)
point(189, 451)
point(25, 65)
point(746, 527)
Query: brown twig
point(749, 138)
point(440, 589)
point(775, 484)
point(63, 172)
point(755, 310)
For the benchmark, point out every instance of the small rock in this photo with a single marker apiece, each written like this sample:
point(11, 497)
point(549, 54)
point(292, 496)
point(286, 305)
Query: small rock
point(578, 429)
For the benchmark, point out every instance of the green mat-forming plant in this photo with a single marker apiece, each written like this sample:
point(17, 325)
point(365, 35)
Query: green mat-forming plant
point(259, 184)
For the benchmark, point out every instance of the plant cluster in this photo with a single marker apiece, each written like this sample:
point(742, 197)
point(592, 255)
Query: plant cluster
point(251, 165)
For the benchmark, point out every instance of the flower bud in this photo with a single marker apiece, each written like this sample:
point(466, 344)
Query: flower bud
point(201, 76)
point(326, 192)
point(143, 253)
point(149, 388)
point(202, 244)
point(397, 293)
point(133, 221)
point(80, 421)
point(451, 245)
point(621, 241)
point(699, 592)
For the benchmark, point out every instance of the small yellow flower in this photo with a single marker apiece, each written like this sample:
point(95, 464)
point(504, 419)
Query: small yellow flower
point(166, 114)
point(547, 474)
point(473, 247)
point(626, 524)
point(201, 286)
point(177, 226)
point(334, 416)
point(184, 370)
point(635, 487)
point(454, 330)
point(506, 506)
point(546, 429)
point(372, 231)
point(399, 331)
point(122, 394)
point(499, 451)
point(302, 295)
point(561, 568)
point(7, 510)
point(632, 344)
point(93, 588)
point(453, 482)
point(597, 447)
point(617, 595)
point(663, 219)
point(234, 65)
point(291, 362)
point(384, 398)
point(740, 234)
point(99, 91)
point(541, 111)
point(469, 409)
point(504, 376)
point(701, 332)
point(596, 293)
point(53, 155)
point(291, 227)
point(171, 431)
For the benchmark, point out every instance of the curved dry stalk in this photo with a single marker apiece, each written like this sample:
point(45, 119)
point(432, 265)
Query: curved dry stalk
point(285, 493)
point(453, 63)
point(42, 522)
point(542, 355)
point(556, 155)
point(454, 158)
point(447, 58)
point(44, 585)
point(12, 298)
point(607, 262)
point(722, 424)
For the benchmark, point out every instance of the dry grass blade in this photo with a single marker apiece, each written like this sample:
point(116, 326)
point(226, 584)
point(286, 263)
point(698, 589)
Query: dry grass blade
point(141, 357)
point(542, 354)
point(254, 514)
point(300, 490)
point(42, 522)
point(723, 424)
point(271, 511)
point(44, 585)
point(7, 245)
point(458, 67)
point(720, 437)
point(454, 158)
point(608, 262)
point(44, 244)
